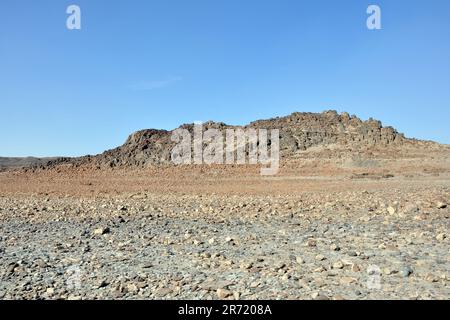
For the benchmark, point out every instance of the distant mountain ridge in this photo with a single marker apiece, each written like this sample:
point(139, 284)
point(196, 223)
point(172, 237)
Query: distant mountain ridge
point(17, 162)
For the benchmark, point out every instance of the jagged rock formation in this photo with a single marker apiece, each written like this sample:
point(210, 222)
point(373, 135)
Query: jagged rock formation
point(298, 132)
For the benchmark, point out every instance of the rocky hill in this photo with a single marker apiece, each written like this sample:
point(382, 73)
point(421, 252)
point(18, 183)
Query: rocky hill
point(298, 133)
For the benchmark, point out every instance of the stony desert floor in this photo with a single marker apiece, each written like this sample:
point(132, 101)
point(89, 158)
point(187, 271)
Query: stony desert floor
point(315, 231)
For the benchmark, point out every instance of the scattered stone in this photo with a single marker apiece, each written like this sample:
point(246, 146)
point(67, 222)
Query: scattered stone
point(347, 280)
point(102, 284)
point(320, 269)
point(441, 205)
point(355, 268)
point(132, 288)
point(223, 293)
point(163, 292)
point(54, 255)
point(391, 210)
point(299, 260)
point(335, 247)
point(11, 267)
point(352, 253)
point(441, 237)
point(388, 271)
point(431, 278)
point(311, 243)
point(405, 272)
point(101, 231)
point(246, 265)
point(320, 257)
point(280, 265)
point(319, 296)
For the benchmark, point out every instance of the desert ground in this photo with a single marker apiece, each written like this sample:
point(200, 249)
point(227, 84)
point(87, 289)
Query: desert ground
point(325, 227)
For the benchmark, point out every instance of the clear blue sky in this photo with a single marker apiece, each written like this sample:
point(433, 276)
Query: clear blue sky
point(157, 64)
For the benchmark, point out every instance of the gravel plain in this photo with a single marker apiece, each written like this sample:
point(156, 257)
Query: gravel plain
point(368, 240)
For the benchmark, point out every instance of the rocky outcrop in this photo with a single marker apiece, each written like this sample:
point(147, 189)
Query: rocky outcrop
point(301, 131)
point(298, 133)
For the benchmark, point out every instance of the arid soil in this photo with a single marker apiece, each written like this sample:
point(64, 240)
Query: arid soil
point(330, 225)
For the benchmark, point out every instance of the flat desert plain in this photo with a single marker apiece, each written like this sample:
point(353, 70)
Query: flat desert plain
point(325, 227)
